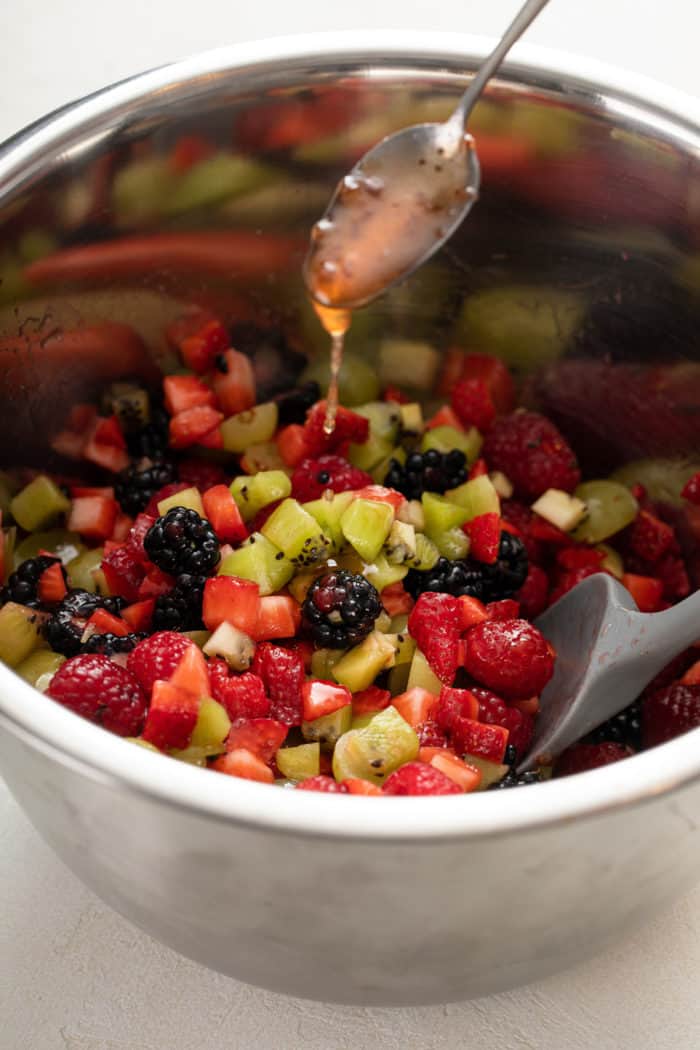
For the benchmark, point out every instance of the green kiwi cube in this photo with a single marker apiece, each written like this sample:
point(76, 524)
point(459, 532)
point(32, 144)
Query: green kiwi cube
point(411, 418)
point(39, 503)
point(382, 573)
point(263, 456)
point(452, 543)
point(254, 426)
point(426, 555)
point(401, 543)
point(477, 497)
point(212, 727)
point(379, 472)
point(397, 679)
point(377, 750)
point(20, 633)
point(441, 514)
point(190, 498)
point(328, 510)
point(300, 762)
point(366, 525)
point(404, 646)
point(328, 728)
point(297, 533)
point(491, 772)
point(384, 419)
point(370, 453)
point(39, 668)
point(422, 674)
point(259, 560)
point(253, 493)
point(359, 666)
point(82, 570)
point(447, 438)
point(323, 661)
point(64, 544)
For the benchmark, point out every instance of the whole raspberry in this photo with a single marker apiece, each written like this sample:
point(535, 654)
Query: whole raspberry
point(419, 778)
point(495, 712)
point(313, 477)
point(669, 712)
point(322, 783)
point(509, 656)
point(156, 657)
point(282, 672)
point(101, 691)
point(243, 695)
point(472, 402)
point(532, 453)
point(435, 623)
point(581, 757)
point(533, 593)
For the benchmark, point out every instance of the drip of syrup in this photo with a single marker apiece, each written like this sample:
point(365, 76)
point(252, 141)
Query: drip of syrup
point(336, 323)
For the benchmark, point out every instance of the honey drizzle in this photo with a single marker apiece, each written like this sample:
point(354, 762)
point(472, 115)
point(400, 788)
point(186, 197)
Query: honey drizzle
point(336, 323)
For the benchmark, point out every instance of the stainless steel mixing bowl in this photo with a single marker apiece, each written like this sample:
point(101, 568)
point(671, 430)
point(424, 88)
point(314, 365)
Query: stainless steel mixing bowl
point(580, 265)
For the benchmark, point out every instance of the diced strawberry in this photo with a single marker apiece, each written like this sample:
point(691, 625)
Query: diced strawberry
point(69, 444)
point(155, 583)
point(491, 370)
point(548, 533)
point(511, 657)
point(478, 469)
point(453, 704)
point(357, 786)
point(568, 580)
point(435, 623)
point(232, 600)
point(647, 592)
point(476, 738)
point(692, 675)
point(212, 439)
point(323, 783)
point(279, 616)
point(198, 351)
point(417, 778)
point(292, 444)
point(396, 599)
point(262, 736)
point(108, 432)
point(484, 534)
point(671, 570)
point(323, 698)
point(191, 673)
point(381, 494)
point(93, 517)
point(472, 402)
point(416, 705)
point(104, 622)
point(282, 671)
point(349, 426)
point(82, 417)
point(52, 582)
point(520, 724)
point(107, 491)
point(122, 527)
point(532, 596)
point(467, 777)
point(139, 615)
point(186, 428)
point(444, 417)
point(505, 609)
point(430, 734)
point(392, 393)
point(245, 764)
point(691, 489)
point(234, 382)
point(579, 558)
point(582, 757)
point(183, 392)
point(223, 514)
point(110, 457)
point(370, 699)
point(200, 473)
point(171, 716)
point(243, 695)
point(650, 537)
point(122, 572)
point(137, 533)
point(427, 752)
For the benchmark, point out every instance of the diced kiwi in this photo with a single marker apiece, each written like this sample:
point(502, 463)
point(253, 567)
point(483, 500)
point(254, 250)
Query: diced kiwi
point(377, 750)
point(422, 674)
point(411, 513)
point(370, 453)
point(328, 728)
point(446, 438)
point(397, 679)
point(409, 363)
point(323, 661)
point(491, 772)
point(441, 514)
point(65, 545)
point(82, 570)
point(297, 533)
point(261, 457)
point(383, 622)
point(404, 645)
point(411, 418)
point(452, 543)
point(200, 638)
point(212, 727)
point(328, 510)
point(190, 498)
point(384, 419)
point(361, 721)
point(254, 426)
point(253, 493)
point(426, 555)
point(610, 507)
point(359, 666)
point(477, 497)
point(20, 633)
point(39, 668)
point(358, 382)
point(38, 504)
point(193, 756)
point(400, 544)
point(399, 624)
point(382, 573)
point(233, 645)
point(379, 470)
point(259, 560)
point(366, 525)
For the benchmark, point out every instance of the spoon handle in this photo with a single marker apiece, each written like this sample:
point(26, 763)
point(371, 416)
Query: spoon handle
point(515, 30)
point(676, 628)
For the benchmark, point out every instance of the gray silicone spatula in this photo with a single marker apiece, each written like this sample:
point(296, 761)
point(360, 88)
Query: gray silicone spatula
point(607, 652)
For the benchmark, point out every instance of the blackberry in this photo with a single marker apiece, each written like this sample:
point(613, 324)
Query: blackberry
point(135, 486)
point(624, 728)
point(430, 471)
point(152, 439)
point(109, 644)
point(513, 779)
point(182, 542)
point(23, 582)
point(181, 608)
point(292, 405)
point(488, 583)
point(64, 630)
point(340, 609)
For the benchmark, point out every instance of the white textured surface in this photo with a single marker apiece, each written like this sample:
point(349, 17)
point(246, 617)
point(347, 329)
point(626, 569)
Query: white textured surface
point(75, 976)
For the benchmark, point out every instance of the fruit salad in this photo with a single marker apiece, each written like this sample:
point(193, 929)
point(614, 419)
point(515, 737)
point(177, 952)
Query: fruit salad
point(212, 576)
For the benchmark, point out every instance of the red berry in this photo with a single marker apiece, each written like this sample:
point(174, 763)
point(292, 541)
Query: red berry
point(157, 657)
point(671, 570)
point(454, 704)
point(566, 580)
point(283, 674)
point(533, 593)
point(313, 477)
point(430, 734)
point(243, 695)
point(262, 736)
point(532, 453)
point(493, 711)
point(669, 712)
point(471, 400)
point(136, 536)
point(349, 426)
point(123, 572)
point(509, 656)
point(580, 757)
point(435, 623)
point(418, 778)
point(691, 489)
point(201, 475)
point(322, 783)
point(650, 537)
point(101, 691)
point(484, 533)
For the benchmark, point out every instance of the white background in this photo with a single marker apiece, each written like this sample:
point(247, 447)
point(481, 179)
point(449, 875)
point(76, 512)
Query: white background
point(74, 976)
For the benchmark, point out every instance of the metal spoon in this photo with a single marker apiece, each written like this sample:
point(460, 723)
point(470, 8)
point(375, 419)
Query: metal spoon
point(403, 199)
point(607, 652)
